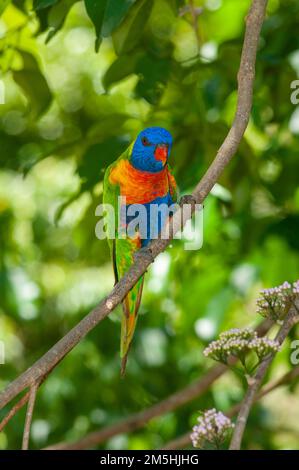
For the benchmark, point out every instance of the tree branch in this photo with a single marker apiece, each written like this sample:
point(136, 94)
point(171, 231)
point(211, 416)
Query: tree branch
point(174, 401)
point(248, 400)
point(138, 420)
point(29, 414)
point(183, 441)
point(14, 410)
point(49, 360)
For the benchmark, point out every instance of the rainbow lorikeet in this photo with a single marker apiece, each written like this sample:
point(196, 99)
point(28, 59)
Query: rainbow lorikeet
point(141, 175)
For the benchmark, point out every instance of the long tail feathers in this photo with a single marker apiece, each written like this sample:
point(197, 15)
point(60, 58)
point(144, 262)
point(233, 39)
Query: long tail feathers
point(131, 305)
point(127, 331)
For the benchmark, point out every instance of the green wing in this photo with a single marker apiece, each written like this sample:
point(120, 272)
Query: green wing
point(172, 184)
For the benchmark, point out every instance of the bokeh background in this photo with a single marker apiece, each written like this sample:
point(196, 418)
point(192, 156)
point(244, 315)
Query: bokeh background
point(68, 112)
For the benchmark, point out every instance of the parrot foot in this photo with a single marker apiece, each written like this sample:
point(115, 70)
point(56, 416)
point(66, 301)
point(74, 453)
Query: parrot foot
point(187, 199)
point(146, 253)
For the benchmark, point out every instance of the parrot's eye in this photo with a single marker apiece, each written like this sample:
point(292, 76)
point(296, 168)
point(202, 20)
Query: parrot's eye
point(145, 141)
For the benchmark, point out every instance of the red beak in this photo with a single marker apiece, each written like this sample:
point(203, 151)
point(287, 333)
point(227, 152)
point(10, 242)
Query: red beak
point(161, 153)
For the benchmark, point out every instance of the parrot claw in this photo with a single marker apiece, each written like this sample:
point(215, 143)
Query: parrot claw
point(187, 199)
point(144, 252)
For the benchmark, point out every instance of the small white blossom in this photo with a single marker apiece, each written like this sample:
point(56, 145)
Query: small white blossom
point(213, 428)
point(264, 346)
point(237, 343)
point(273, 302)
point(230, 343)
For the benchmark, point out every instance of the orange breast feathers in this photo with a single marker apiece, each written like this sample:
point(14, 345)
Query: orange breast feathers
point(140, 187)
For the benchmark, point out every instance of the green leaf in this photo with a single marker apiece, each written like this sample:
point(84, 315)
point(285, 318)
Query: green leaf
point(96, 12)
point(3, 5)
point(129, 32)
point(122, 67)
point(106, 15)
point(59, 212)
point(33, 84)
point(40, 4)
point(20, 5)
point(9, 150)
point(97, 158)
point(108, 125)
point(57, 16)
point(114, 14)
point(153, 75)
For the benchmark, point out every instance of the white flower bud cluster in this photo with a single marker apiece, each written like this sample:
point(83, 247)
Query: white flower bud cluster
point(296, 287)
point(213, 428)
point(273, 302)
point(230, 343)
point(238, 342)
point(238, 333)
point(264, 346)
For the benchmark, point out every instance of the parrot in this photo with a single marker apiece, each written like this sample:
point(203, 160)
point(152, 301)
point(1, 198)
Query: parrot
point(143, 176)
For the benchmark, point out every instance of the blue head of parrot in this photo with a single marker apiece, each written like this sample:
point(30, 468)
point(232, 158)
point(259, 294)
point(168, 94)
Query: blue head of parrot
point(151, 149)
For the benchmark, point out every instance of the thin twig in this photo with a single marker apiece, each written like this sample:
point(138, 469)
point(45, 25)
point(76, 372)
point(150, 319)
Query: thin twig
point(29, 414)
point(186, 9)
point(183, 441)
point(253, 388)
point(195, 14)
point(284, 380)
point(140, 419)
point(48, 361)
point(14, 410)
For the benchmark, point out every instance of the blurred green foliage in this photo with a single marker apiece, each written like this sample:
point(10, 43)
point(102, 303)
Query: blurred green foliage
point(67, 113)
